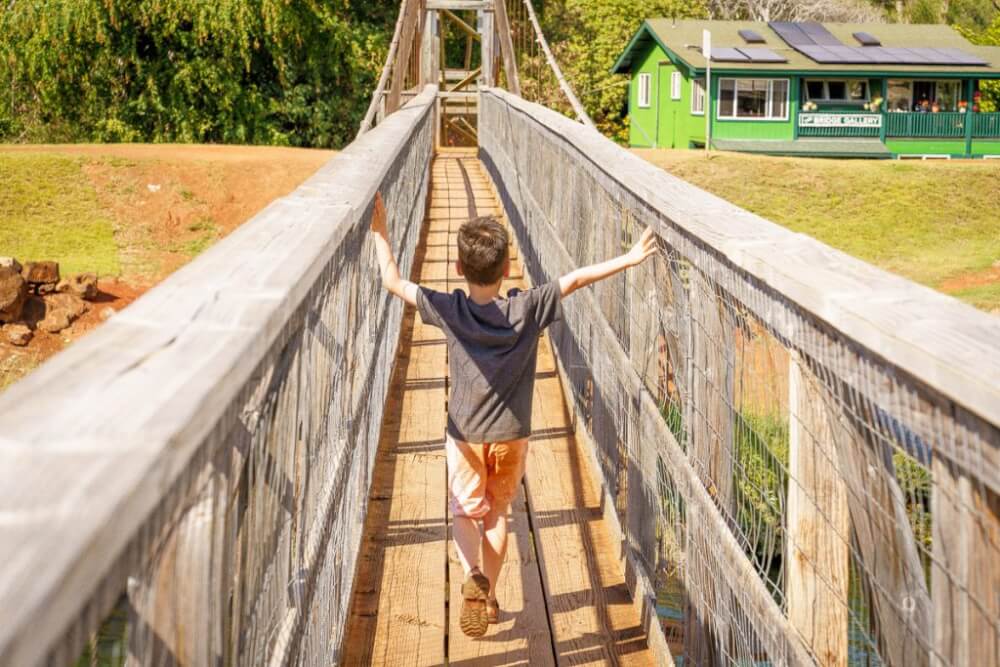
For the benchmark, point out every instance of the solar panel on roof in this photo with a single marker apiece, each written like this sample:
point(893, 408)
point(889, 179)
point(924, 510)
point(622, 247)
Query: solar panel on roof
point(849, 54)
point(888, 55)
point(791, 33)
point(960, 57)
point(751, 37)
point(819, 34)
point(761, 55)
point(727, 54)
point(867, 39)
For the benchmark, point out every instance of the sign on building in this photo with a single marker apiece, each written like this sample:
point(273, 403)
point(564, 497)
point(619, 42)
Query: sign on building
point(840, 120)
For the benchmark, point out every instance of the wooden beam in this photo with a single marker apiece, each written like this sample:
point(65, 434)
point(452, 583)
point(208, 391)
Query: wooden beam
point(462, 25)
point(507, 48)
point(488, 46)
point(466, 81)
point(709, 421)
point(459, 5)
point(401, 67)
point(889, 556)
point(818, 523)
point(965, 570)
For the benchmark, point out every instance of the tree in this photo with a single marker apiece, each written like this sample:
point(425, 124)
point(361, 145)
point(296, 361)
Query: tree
point(587, 37)
point(293, 72)
point(989, 36)
point(847, 11)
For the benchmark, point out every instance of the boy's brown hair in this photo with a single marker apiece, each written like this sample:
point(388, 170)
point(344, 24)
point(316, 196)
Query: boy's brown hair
point(482, 250)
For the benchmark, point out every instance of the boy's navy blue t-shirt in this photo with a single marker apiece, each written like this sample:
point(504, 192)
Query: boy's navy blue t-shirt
point(492, 353)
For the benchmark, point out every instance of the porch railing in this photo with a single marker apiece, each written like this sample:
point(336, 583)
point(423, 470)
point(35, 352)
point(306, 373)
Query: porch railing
point(943, 125)
point(947, 124)
point(986, 125)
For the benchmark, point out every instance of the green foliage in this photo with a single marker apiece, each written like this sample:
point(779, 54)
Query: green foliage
point(289, 72)
point(925, 11)
point(989, 36)
point(761, 444)
point(589, 35)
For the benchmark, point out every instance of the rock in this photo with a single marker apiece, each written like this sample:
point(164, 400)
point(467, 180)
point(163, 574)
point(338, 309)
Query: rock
point(17, 334)
point(13, 293)
point(41, 273)
point(107, 313)
point(60, 311)
point(83, 285)
point(71, 303)
point(10, 263)
point(55, 322)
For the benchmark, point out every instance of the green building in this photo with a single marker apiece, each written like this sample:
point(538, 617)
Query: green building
point(833, 89)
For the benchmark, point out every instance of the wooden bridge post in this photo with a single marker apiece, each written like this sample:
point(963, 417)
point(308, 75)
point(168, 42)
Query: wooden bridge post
point(178, 605)
point(487, 42)
point(889, 557)
point(965, 571)
point(818, 530)
point(429, 51)
point(402, 65)
point(710, 420)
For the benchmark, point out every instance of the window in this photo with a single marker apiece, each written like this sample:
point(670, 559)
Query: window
point(645, 81)
point(836, 90)
point(815, 90)
point(909, 95)
point(850, 90)
point(698, 97)
point(779, 98)
point(761, 99)
point(675, 85)
point(900, 95)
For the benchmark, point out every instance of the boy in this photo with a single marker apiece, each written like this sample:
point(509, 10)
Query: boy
point(492, 348)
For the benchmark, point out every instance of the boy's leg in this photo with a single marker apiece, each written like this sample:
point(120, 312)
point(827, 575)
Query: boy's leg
point(505, 469)
point(467, 498)
point(467, 492)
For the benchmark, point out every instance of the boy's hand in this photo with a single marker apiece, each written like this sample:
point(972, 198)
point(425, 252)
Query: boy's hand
point(379, 217)
point(645, 247)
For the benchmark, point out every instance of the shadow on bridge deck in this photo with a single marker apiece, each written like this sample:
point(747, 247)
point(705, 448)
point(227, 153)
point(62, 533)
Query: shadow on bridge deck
point(562, 591)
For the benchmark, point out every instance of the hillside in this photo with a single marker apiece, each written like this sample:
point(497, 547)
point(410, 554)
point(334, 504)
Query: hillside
point(932, 222)
point(130, 213)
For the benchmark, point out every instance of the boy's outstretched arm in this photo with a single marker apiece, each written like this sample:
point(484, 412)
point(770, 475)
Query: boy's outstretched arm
point(585, 275)
point(391, 280)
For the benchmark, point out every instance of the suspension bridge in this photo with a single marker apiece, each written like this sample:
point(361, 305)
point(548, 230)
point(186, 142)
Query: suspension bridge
point(751, 450)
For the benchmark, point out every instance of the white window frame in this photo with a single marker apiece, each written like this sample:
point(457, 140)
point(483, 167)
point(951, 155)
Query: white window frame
point(698, 91)
point(769, 104)
point(675, 85)
point(644, 92)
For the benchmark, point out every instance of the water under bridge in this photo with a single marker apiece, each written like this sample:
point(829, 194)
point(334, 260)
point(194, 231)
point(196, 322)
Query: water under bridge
point(752, 449)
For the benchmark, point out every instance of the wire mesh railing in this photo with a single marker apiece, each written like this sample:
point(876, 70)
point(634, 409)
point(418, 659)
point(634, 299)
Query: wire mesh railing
point(802, 451)
point(200, 464)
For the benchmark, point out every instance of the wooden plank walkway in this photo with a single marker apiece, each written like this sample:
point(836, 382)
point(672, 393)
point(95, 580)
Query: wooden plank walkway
point(562, 591)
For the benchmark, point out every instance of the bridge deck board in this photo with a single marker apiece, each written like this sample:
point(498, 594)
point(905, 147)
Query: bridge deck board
point(401, 613)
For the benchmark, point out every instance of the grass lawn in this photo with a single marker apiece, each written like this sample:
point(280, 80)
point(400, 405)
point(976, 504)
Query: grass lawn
point(49, 210)
point(937, 223)
point(131, 213)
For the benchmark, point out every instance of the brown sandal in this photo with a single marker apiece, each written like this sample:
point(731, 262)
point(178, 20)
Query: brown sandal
point(492, 611)
point(475, 592)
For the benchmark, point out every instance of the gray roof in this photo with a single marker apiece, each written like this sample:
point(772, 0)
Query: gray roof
point(683, 39)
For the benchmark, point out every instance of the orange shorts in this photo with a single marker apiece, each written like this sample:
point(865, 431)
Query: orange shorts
point(481, 477)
